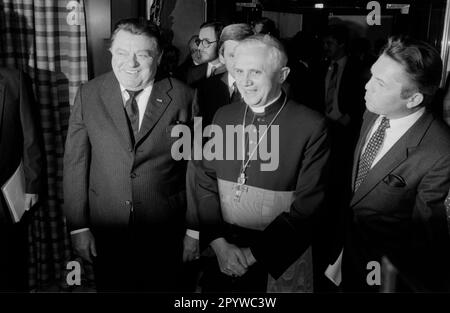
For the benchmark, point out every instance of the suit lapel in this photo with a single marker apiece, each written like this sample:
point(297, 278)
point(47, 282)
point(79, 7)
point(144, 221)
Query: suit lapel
point(157, 104)
point(112, 99)
point(394, 157)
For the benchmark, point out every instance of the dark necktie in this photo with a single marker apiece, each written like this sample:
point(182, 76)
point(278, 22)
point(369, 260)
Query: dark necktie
point(332, 86)
point(372, 148)
point(236, 95)
point(132, 109)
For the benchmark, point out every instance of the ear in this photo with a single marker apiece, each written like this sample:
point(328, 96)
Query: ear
point(221, 57)
point(284, 72)
point(415, 100)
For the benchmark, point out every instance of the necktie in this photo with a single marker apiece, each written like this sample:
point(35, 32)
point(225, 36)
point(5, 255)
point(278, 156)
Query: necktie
point(332, 86)
point(372, 148)
point(132, 109)
point(447, 205)
point(236, 95)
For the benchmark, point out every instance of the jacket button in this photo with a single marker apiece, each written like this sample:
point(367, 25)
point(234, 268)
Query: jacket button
point(133, 175)
point(130, 149)
point(128, 202)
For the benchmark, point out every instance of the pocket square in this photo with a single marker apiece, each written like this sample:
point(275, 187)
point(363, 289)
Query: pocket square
point(395, 180)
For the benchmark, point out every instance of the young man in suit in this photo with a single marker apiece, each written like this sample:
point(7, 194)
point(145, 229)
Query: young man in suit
point(208, 49)
point(124, 194)
point(401, 176)
point(19, 142)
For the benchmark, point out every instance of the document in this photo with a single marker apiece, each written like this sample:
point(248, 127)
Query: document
point(14, 193)
point(334, 271)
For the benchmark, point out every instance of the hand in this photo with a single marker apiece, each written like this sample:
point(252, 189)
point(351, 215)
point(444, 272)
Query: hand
point(191, 250)
point(83, 244)
point(249, 256)
point(30, 200)
point(231, 260)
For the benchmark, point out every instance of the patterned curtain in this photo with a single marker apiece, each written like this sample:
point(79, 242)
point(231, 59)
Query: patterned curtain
point(154, 8)
point(47, 40)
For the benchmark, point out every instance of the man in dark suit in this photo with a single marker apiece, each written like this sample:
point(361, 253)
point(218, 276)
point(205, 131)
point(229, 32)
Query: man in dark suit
point(19, 141)
point(208, 49)
point(401, 176)
point(124, 192)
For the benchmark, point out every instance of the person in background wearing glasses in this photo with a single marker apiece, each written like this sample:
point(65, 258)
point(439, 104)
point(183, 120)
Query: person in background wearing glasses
point(124, 194)
point(208, 47)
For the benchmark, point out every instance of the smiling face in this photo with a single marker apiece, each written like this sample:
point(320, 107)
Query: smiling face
point(258, 79)
point(135, 59)
point(384, 89)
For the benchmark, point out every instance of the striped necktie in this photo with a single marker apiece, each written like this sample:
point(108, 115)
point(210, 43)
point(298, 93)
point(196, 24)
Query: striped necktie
point(132, 109)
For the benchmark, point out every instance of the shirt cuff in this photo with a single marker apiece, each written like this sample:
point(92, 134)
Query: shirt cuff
point(193, 233)
point(76, 231)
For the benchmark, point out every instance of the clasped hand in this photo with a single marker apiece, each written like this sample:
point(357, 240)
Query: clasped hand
point(233, 261)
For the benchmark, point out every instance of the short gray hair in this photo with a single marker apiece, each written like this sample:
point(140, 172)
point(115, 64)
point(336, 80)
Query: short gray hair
point(276, 50)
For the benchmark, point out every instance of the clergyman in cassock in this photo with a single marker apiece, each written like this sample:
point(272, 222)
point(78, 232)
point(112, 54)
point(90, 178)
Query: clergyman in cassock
point(257, 201)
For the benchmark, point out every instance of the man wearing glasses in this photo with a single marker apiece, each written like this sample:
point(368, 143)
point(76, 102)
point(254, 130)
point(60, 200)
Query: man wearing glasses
point(208, 47)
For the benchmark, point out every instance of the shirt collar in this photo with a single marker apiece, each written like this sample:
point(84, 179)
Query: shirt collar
point(231, 80)
point(124, 92)
point(406, 121)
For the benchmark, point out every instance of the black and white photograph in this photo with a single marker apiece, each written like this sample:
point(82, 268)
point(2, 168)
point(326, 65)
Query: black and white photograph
point(224, 155)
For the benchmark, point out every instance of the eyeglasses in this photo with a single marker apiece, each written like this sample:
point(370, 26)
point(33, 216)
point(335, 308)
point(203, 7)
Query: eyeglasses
point(205, 42)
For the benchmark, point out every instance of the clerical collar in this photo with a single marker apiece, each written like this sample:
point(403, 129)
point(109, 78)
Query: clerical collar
point(262, 109)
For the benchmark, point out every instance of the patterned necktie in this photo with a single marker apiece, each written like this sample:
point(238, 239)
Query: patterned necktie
point(236, 95)
point(332, 86)
point(372, 148)
point(132, 109)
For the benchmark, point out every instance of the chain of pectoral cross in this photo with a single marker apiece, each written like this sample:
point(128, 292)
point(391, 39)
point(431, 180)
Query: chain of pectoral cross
point(240, 187)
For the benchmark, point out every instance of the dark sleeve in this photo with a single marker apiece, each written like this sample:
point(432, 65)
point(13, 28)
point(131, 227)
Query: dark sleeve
point(192, 220)
point(290, 234)
point(430, 209)
point(76, 168)
point(32, 144)
point(207, 193)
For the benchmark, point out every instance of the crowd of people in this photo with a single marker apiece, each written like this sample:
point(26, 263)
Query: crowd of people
point(362, 167)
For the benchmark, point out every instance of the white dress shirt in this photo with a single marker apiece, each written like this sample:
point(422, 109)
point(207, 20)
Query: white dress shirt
point(141, 99)
point(397, 128)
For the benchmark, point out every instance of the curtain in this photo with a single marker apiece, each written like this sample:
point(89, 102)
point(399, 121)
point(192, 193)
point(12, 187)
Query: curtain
point(47, 40)
point(154, 8)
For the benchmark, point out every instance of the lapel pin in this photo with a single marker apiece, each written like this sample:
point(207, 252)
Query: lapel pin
point(159, 100)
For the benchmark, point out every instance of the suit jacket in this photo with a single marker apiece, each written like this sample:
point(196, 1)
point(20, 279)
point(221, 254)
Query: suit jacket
point(194, 75)
point(351, 91)
point(19, 135)
point(398, 211)
point(107, 180)
point(213, 93)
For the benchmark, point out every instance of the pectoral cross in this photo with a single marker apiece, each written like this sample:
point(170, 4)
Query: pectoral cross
point(240, 187)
